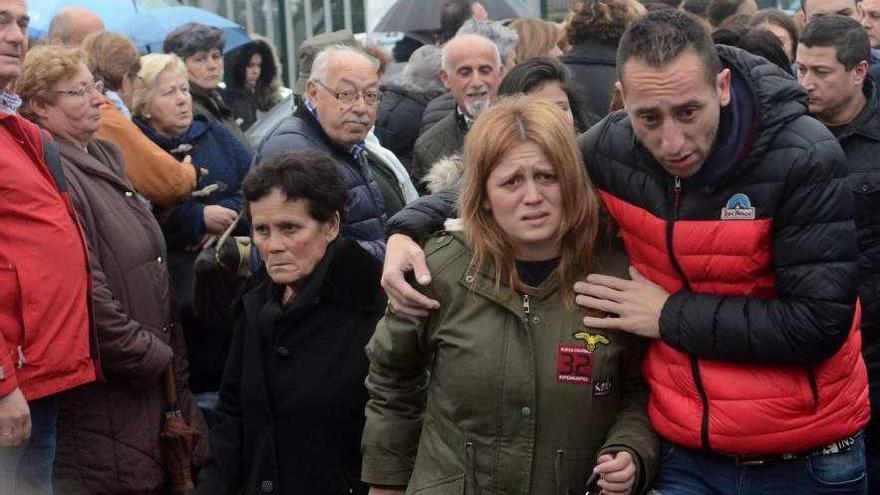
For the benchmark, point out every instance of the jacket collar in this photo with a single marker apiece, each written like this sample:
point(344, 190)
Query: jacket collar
point(198, 127)
point(867, 122)
point(346, 274)
point(591, 52)
point(95, 161)
point(211, 100)
point(309, 118)
point(483, 282)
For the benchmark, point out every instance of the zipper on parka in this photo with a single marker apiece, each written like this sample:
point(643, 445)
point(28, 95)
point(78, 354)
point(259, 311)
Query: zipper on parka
point(695, 362)
point(527, 309)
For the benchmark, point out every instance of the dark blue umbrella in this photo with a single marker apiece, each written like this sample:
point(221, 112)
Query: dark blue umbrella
point(110, 11)
point(148, 29)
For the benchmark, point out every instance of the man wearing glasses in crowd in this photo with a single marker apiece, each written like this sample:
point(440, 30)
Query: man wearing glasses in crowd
point(341, 101)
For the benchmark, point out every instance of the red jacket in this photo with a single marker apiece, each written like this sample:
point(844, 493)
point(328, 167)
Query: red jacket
point(45, 327)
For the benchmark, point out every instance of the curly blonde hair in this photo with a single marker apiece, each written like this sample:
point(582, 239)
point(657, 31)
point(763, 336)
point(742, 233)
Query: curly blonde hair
point(43, 67)
point(536, 38)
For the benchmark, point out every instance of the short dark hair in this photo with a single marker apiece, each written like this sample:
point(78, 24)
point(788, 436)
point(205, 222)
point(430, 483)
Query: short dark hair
point(191, 38)
point(531, 74)
point(310, 175)
point(846, 35)
point(719, 10)
point(756, 41)
point(658, 37)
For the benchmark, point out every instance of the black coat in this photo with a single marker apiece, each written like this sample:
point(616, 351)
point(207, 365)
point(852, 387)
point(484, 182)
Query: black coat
point(861, 144)
point(400, 115)
point(291, 408)
point(593, 68)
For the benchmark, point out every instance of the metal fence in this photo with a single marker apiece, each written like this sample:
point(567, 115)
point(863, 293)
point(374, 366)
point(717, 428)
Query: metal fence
point(288, 22)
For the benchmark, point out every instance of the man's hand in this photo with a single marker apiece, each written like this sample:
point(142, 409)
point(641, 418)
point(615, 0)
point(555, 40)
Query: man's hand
point(403, 255)
point(637, 303)
point(218, 218)
point(618, 473)
point(15, 419)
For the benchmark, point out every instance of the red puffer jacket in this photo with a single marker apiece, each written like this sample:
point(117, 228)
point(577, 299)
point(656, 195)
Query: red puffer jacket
point(45, 327)
point(760, 349)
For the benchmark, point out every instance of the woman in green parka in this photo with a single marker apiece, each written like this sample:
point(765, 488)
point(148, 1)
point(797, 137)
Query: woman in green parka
point(502, 389)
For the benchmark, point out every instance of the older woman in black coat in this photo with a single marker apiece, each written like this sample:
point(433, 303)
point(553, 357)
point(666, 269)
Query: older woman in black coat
point(291, 408)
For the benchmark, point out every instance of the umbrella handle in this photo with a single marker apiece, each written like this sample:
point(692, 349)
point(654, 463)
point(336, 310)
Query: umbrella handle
point(170, 387)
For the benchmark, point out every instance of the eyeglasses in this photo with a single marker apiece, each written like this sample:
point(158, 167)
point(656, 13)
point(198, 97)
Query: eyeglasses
point(84, 91)
point(372, 97)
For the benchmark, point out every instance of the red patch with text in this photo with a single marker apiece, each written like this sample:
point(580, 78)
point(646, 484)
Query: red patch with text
point(574, 364)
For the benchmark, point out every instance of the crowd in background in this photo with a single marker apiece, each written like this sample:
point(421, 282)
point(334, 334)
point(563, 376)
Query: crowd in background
point(637, 251)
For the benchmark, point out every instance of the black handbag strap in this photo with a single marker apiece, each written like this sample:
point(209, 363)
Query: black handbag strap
point(53, 161)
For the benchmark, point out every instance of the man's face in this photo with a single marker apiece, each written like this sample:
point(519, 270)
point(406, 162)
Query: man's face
point(870, 12)
point(674, 111)
point(830, 87)
point(818, 8)
point(347, 123)
point(472, 75)
point(13, 39)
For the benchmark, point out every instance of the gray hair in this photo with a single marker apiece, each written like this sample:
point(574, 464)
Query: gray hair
point(447, 48)
point(421, 74)
point(322, 60)
point(191, 38)
point(505, 39)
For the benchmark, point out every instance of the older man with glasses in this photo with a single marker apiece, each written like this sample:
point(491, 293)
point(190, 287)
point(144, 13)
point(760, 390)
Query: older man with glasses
point(341, 101)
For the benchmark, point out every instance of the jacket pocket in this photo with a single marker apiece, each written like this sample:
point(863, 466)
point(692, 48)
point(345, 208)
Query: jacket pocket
point(571, 468)
point(450, 485)
point(11, 322)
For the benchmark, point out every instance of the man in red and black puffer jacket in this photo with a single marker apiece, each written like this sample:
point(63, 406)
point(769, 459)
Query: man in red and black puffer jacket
point(733, 206)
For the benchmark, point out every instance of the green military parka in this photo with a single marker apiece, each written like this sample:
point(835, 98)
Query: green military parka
point(500, 392)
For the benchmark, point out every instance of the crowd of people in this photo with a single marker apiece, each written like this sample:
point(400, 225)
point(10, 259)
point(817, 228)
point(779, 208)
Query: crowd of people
point(637, 252)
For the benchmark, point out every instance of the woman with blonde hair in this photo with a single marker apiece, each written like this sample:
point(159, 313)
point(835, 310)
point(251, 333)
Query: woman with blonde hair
point(522, 397)
point(537, 38)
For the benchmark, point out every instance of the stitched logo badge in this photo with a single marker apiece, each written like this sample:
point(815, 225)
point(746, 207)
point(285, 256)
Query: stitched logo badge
point(739, 207)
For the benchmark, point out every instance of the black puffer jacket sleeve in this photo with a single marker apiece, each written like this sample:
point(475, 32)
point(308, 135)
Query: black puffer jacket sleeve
point(814, 255)
point(426, 215)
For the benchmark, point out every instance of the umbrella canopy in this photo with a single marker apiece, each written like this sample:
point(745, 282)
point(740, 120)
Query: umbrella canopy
point(110, 11)
point(148, 29)
point(418, 15)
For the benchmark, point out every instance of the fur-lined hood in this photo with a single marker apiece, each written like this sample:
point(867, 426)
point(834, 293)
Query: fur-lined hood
point(445, 173)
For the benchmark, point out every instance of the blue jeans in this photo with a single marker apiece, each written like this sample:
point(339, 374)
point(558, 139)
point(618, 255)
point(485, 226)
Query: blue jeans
point(872, 460)
point(27, 469)
point(685, 471)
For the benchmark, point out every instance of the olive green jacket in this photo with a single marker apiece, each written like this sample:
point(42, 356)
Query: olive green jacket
point(521, 397)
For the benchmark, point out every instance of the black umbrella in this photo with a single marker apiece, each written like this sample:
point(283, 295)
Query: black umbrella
point(418, 15)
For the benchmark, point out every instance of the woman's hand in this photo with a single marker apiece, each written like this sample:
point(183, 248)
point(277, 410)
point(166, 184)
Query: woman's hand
point(218, 218)
point(618, 472)
point(374, 490)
